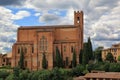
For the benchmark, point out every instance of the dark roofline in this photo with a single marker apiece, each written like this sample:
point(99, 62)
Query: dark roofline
point(49, 27)
point(116, 44)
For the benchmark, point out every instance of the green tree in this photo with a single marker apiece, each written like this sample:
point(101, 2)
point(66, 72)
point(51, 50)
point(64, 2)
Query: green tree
point(30, 75)
point(21, 62)
point(114, 67)
point(90, 67)
point(98, 54)
point(44, 62)
point(80, 56)
point(85, 57)
point(24, 75)
point(118, 58)
point(54, 60)
point(10, 77)
point(16, 72)
point(90, 50)
point(66, 61)
point(4, 74)
point(78, 70)
point(109, 57)
point(59, 60)
point(106, 67)
point(74, 61)
point(35, 75)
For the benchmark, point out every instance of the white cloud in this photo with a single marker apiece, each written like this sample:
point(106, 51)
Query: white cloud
point(55, 18)
point(49, 18)
point(7, 29)
point(54, 4)
point(37, 14)
point(101, 18)
point(20, 15)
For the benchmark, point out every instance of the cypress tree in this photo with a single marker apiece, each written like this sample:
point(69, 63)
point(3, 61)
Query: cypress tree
point(44, 62)
point(85, 57)
point(59, 60)
point(74, 61)
point(16, 72)
point(90, 51)
point(80, 56)
point(21, 62)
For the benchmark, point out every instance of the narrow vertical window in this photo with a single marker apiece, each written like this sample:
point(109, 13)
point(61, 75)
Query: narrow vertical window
point(72, 49)
point(18, 50)
point(43, 43)
point(78, 19)
point(32, 49)
point(25, 63)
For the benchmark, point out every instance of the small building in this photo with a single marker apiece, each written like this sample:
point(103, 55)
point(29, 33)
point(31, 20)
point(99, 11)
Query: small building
point(100, 75)
point(5, 59)
point(115, 50)
point(103, 76)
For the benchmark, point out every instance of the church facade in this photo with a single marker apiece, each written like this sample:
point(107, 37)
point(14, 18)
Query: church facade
point(38, 40)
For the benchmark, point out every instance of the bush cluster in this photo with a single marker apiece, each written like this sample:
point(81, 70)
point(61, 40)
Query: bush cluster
point(58, 73)
point(104, 66)
point(54, 74)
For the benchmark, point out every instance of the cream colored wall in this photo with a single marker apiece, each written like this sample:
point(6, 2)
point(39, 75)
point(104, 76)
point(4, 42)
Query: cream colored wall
point(111, 50)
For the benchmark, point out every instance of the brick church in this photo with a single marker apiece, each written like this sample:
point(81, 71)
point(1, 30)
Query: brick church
point(36, 40)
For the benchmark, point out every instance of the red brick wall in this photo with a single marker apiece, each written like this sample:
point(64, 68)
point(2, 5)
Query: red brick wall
point(63, 37)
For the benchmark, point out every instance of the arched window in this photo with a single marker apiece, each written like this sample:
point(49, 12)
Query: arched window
point(43, 43)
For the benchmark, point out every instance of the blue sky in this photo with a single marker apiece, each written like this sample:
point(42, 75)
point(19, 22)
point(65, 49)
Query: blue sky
point(101, 18)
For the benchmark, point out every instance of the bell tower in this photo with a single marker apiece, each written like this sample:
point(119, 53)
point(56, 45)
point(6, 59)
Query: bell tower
point(78, 18)
point(79, 22)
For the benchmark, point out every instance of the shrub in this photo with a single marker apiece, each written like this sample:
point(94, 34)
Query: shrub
point(78, 70)
point(114, 67)
point(30, 75)
point(45, 75)
point(10, 77)
point(24, 75)
point(4, 74)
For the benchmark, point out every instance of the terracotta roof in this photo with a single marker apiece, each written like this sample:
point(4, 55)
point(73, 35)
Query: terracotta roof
point(52, 26)
point(113, 75)
point(79, 78)
point(116, 44)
